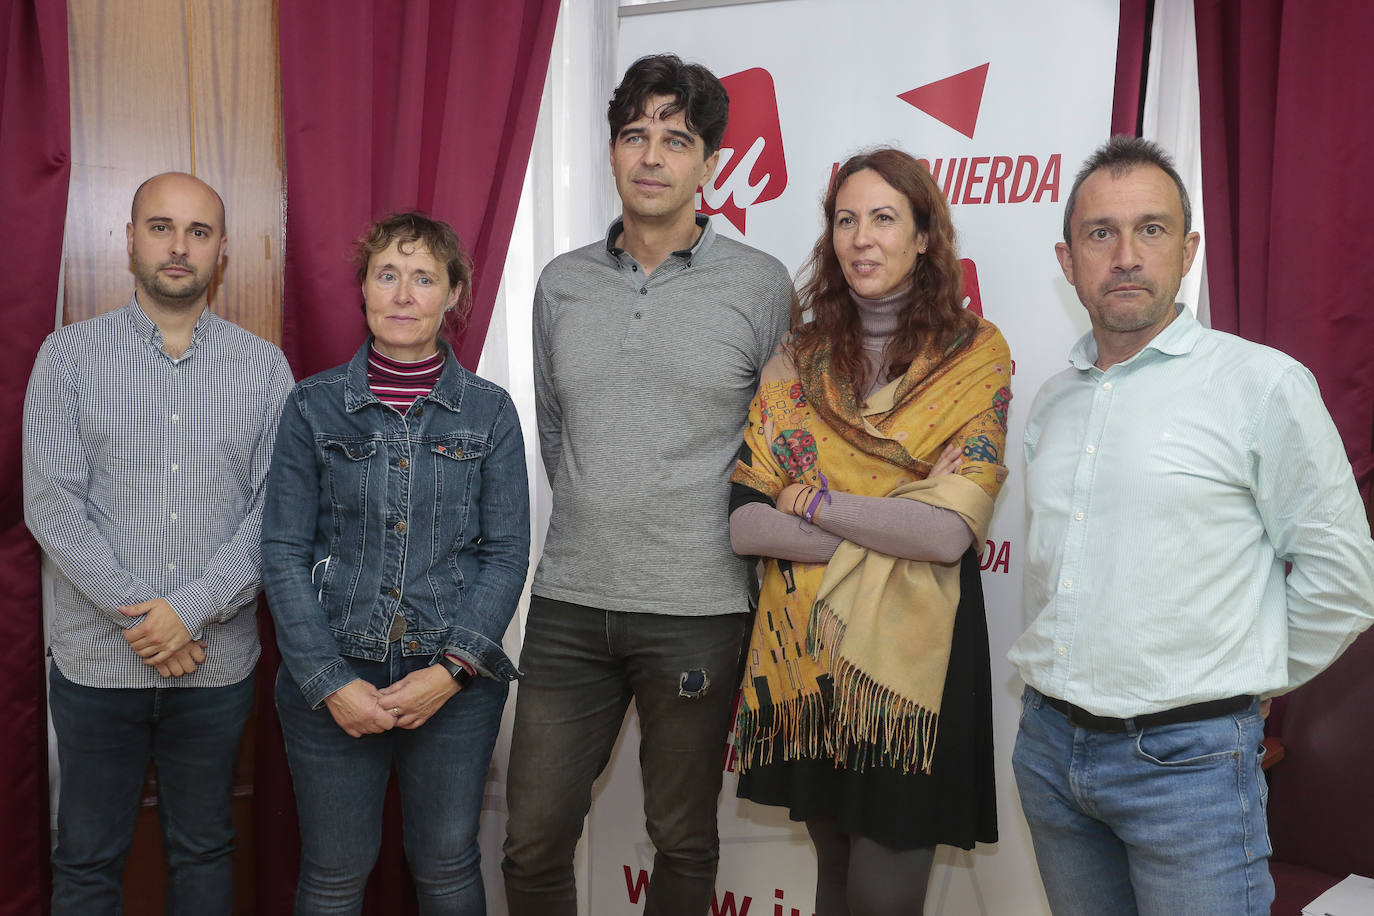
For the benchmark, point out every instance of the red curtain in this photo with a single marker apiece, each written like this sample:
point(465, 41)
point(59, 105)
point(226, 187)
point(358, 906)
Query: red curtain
point(35, 147)
point(399, 104)
point(1286, 90)
point(1132, 42)
point(389, 105)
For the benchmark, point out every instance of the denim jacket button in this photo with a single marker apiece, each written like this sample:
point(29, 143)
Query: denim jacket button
point(400, 526)
point(403, 463)
point(412, 645)
point(394, 593)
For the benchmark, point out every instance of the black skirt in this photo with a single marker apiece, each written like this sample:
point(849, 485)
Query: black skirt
point(955, 804)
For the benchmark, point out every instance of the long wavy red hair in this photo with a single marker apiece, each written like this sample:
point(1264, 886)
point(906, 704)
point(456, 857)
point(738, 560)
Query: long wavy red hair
point(936, 318)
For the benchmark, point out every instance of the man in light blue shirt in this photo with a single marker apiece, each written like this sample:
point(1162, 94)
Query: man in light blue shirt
point(1171, 474)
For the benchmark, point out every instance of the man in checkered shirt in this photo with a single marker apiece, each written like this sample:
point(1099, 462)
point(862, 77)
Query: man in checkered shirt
point(148, 433)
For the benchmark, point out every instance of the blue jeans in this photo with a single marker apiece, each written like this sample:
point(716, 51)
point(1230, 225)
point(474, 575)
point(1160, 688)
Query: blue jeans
point(582, 668)
point(1163, 821)
point(105, 738)
point(340, 785)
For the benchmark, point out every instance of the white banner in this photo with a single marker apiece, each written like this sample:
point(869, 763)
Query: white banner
point(1004, 99)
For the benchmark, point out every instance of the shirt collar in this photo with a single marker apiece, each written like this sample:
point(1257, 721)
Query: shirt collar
point(147, 329)
point(1177, 338)
point(448, 390)
point(699, 247)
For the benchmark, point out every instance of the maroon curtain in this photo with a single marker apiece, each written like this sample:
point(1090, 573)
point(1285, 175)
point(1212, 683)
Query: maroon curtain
point(1132, 42)
point(35, 147)
point(389, 105)
point(399, 104)
point(1286, 90)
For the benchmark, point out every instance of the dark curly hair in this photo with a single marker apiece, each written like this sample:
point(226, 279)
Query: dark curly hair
point(936, 317)
point(435, 236)
point(695, 91)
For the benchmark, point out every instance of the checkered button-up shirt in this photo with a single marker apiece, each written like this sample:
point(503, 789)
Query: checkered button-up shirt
point(144, 477)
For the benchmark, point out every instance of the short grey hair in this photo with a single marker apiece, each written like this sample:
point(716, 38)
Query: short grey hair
point(1122, 154)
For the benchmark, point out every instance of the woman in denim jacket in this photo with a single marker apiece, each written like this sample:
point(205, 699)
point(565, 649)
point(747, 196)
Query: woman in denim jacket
point(395, 544)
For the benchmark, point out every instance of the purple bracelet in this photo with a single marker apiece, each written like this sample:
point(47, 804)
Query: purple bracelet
point(822, 494)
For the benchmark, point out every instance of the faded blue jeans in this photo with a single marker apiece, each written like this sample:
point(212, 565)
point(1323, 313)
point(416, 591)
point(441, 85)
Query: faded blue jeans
point(105, 738)
point(1162, 821)
point(582, 666)
point(340, 785)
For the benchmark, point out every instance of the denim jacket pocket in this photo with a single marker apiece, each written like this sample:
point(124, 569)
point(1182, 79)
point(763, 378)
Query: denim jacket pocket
point(348, 469)
point(457, 466)
point(347, 463)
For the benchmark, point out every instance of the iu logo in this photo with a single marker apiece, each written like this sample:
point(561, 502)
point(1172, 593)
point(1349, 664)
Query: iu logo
point(751, 169)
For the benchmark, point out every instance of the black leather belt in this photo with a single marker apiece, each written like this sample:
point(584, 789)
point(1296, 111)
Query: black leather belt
point(1195, 712)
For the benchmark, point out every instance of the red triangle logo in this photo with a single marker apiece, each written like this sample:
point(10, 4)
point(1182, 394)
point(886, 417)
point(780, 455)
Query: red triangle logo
point(953, 100)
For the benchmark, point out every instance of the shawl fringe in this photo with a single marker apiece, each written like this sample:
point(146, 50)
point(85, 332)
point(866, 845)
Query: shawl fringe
point(871, 724)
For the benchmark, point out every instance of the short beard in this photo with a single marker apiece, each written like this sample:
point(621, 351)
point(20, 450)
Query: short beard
point(150, 279)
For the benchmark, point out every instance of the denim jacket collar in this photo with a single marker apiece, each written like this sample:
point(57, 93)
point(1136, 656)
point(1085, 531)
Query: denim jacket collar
point(448, 391)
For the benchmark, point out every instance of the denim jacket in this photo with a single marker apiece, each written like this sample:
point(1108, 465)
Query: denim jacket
point(370, 512)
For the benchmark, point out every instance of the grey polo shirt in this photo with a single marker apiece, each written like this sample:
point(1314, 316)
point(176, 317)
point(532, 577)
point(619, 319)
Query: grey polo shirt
point(643, 386)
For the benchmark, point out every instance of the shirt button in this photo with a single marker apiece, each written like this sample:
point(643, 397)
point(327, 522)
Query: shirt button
point(174, 516)
point(1062, 651)
point(400, 526)
point(1106, 386)
point(403, 464)
point(1068, 583)
point(1091, 450)
point(644, 292)
point(639, 314)
point(412, 645)
point(171, 566)
point(176, 417)
point(176, 467)
point(634, 267)
point(1078, 516)
point(394, 594)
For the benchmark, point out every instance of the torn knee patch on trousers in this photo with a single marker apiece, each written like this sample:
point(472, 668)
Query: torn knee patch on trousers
point(693, 683)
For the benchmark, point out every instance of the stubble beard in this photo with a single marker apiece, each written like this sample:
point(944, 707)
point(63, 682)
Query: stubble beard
point(172, 294)
point(1122, 321)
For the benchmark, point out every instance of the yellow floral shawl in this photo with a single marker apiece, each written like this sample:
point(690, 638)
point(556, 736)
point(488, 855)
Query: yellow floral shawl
point(847, 661)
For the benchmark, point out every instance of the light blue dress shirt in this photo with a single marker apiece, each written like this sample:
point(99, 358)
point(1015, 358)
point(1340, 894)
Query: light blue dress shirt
point(1164, 496)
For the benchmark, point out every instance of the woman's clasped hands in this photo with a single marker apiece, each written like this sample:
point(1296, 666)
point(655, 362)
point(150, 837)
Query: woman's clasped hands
point(359, 708)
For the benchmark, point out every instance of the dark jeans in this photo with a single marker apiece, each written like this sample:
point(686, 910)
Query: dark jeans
point(105, 738)
point(582, 668)
point(340, 785)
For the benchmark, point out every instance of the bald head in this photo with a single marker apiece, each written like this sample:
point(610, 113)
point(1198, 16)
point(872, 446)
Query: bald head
point(178, 183)
point(176, 241)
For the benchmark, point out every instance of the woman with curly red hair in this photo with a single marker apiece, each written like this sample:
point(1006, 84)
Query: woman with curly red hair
point(866, 482)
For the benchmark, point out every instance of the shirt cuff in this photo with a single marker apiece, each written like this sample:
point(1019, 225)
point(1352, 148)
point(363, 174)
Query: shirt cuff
point(194, 606)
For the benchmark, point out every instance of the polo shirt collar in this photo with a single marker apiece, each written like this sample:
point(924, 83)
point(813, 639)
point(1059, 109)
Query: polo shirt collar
point(1177, 339)
point(699, 247)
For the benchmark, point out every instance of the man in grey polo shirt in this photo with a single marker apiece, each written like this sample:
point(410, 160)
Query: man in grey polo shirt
point(647, 350)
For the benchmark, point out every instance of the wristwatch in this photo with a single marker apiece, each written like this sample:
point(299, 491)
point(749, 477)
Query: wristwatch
point(461, 673)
